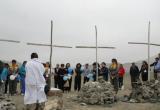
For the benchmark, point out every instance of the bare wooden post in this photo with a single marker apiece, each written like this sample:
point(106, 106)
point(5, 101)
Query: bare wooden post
point(149, 72)
point(51, 49)
point(96, 53)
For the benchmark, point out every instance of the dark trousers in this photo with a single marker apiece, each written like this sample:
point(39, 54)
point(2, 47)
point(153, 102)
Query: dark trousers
point(61, 83)
point(115, 83)
point(6, 86)
point(70, 84)
point(134, 80)
point(120, 82)
point(144, 77)
point(94, 78)
point(12, 86)
point(56, 82)
point(105, 77)
point(77, 84)
point(86, 79)
point(155, 75)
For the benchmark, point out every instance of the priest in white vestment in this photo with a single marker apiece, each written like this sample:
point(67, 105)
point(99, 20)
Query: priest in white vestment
point(35, 84)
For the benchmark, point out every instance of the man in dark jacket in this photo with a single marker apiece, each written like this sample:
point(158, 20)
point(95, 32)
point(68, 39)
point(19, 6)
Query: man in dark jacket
point(56, 78)
point(134, 73)
point(61, 73)
point(104, 71)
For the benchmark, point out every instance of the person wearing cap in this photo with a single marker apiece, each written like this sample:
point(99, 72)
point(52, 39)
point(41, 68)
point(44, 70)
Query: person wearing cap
point(154, 65)
point(35, 96)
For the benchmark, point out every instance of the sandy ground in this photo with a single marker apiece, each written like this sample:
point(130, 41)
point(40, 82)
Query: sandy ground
point(69, 104)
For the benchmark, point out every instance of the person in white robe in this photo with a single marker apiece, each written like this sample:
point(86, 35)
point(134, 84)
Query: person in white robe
point(35, 83)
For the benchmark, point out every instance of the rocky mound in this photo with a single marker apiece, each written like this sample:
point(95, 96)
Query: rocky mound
point(146, 92)
point(98, 93)
point(6, 103)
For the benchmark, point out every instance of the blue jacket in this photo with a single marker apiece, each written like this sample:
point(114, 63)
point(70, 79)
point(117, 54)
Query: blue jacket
point(22, 71)
point(157, 67)
point(70, 71)
point(4, 74)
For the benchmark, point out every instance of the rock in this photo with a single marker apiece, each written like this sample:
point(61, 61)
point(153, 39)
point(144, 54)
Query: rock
point(83, 104)
point(125, 98)
point(55, 101)
point(55, 92)
point(6, 103)
point(132, 101)
point(97, 93)
point(146, 92)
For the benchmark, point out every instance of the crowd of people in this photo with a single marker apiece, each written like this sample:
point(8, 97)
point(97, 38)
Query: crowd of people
point(34, 76)
point(13, 74)
point(63, 75)
point(136, 73)
point(10, 76)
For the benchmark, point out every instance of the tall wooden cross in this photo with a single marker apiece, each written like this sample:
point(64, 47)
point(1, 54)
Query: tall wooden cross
point(50, 45)
point(96, 47)
point(148, 44)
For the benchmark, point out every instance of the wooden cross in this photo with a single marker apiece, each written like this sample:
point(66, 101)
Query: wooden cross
point(96, 47)
point(148, 44)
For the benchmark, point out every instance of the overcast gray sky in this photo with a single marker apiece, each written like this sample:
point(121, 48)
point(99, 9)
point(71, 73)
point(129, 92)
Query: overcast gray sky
point(118, 22)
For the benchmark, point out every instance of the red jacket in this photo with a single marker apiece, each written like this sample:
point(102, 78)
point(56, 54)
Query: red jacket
point(121, 72)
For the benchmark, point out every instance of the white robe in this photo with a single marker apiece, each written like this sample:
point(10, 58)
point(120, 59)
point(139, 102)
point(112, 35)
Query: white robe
point(34, 82)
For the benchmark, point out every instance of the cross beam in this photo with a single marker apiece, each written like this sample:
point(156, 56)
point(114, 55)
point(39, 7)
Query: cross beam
point(48, 45)
point(141, 43)
point(93, 47)
point(11, 41)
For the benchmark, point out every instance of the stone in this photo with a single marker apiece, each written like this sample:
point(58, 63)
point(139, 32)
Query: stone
point(55, 92)
point(6, 103)
point(97, 93)
point(83, 104)
point(55, 101)
point(146, 92)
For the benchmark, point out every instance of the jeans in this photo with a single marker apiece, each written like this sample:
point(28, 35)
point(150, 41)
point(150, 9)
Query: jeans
point(23, 85)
